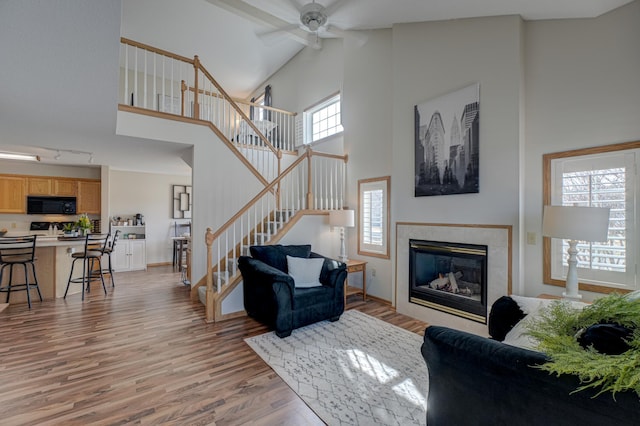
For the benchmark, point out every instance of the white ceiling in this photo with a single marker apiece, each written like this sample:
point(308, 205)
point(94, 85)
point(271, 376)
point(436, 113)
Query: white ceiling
point(59, 79)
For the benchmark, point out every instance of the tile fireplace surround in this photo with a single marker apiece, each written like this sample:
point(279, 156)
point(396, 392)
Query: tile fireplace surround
point(497, 238)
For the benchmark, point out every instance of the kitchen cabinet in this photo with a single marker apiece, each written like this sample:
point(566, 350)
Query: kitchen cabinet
point(65, 187)
point(41, 185)
point(12, 194)
point(129, 255)
point(88, 197)
point(38, 186)
point(15, 188)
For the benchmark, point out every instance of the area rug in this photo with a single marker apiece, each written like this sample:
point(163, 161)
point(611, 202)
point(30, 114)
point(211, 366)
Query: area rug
point(355, 371)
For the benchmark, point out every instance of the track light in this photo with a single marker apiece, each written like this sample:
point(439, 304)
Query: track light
point(90, 158)
point(57, 156)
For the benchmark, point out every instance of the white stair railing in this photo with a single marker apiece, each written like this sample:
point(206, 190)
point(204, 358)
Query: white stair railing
point(161, 81)
point(278, 125)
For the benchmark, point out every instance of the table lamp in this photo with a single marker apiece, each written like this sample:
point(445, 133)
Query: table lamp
point(575, 224)
point(343, 219)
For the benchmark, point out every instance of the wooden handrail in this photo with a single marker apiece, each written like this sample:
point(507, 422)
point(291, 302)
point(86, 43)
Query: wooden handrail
point(266, 189)
point(155, 50)
point(307, 155)
point(268, 108)
point(326, 155)
point(238, 110)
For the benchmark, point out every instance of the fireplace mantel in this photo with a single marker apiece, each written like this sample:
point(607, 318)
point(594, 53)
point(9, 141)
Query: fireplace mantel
point(497, 238)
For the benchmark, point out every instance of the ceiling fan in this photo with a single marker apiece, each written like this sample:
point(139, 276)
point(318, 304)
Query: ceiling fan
point(314, 18)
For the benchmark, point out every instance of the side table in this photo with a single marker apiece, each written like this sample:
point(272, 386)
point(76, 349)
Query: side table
point(354, 265)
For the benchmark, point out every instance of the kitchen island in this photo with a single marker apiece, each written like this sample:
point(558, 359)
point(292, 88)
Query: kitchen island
point(53, 264)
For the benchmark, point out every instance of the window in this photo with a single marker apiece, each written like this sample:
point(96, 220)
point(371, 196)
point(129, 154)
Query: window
point(373, 205)
point(322, 120)
point(258, 113)
point(596, 177)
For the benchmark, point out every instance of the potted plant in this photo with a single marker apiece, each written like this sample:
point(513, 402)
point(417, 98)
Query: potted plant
point(68, 230)
point(83, 224)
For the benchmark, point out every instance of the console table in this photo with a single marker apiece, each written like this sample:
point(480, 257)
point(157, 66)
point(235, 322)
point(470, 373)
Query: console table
point(354, 265)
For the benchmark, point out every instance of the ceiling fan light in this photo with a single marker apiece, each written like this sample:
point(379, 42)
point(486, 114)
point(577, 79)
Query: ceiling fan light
point(313, 16)
point(313, 25)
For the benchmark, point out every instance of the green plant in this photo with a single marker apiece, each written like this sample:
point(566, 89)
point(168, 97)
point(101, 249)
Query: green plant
point(83, 222)
point(556, 330)
point(67, 227)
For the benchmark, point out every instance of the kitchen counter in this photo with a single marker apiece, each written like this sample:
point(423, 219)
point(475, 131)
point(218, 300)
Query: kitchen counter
point(53, 264)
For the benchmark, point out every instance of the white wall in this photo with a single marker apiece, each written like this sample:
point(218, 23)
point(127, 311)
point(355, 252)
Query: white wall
point(217, 174)
point(368, 136)
point(583, 90)
point(397, 69)
point(149, 194)
point(432, 59)
point(308, 77)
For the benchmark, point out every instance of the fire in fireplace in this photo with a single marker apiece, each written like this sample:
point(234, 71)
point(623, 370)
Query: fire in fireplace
point(450, 277)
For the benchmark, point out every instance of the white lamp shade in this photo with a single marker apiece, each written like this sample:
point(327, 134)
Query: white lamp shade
point(344, 218)
point(576, 223)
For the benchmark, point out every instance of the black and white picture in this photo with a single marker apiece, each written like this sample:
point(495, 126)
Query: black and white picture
point(447, 144)
point(182, 201)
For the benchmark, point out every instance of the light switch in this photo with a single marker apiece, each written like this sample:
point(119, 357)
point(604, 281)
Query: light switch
point(531, 238)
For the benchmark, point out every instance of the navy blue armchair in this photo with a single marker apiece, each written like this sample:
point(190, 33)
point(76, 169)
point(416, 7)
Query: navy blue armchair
point(270, 294)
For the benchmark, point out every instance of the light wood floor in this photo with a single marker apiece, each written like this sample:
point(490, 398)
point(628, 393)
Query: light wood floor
point(143, 355)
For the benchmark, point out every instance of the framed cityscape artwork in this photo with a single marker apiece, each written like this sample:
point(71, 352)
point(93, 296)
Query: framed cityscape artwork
point(447, 143)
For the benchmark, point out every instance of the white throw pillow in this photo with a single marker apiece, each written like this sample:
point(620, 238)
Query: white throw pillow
point(530, 304)
point(305, 272)
point(518, 336)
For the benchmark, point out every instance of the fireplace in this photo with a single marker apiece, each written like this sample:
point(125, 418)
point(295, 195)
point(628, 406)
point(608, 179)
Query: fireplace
point(449, 277)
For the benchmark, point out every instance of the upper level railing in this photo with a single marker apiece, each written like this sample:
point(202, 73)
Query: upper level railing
point(159, 80)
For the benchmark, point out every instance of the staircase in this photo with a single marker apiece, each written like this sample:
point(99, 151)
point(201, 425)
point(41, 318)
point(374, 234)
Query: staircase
point(163, 84)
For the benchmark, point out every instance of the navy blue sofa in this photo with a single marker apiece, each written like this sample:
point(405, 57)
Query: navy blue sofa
point(475, 380)
point(270, 295)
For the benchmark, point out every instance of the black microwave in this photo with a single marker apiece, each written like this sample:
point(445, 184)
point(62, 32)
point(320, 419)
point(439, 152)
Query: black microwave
point(51, 205)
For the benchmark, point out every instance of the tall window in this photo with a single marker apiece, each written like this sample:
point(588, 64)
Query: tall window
point(373, 205)
point(602, 177)
point(259, 113)
point(323, 119)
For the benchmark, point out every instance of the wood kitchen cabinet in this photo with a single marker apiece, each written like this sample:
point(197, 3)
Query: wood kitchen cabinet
point(15, 188)
point(39, 186)
point(65, 187)
point(42, 185)
point(88, 197)
point(12, 194)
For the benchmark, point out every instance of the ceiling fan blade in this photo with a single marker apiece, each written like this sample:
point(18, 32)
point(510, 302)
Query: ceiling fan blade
point(271, 37)
point(359, 38)
point(254, 14)
point(337, 4)
point(278, 30)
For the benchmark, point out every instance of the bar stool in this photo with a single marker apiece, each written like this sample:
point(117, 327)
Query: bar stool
point(18, 251)
point(94, 247)
point(111, 246)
